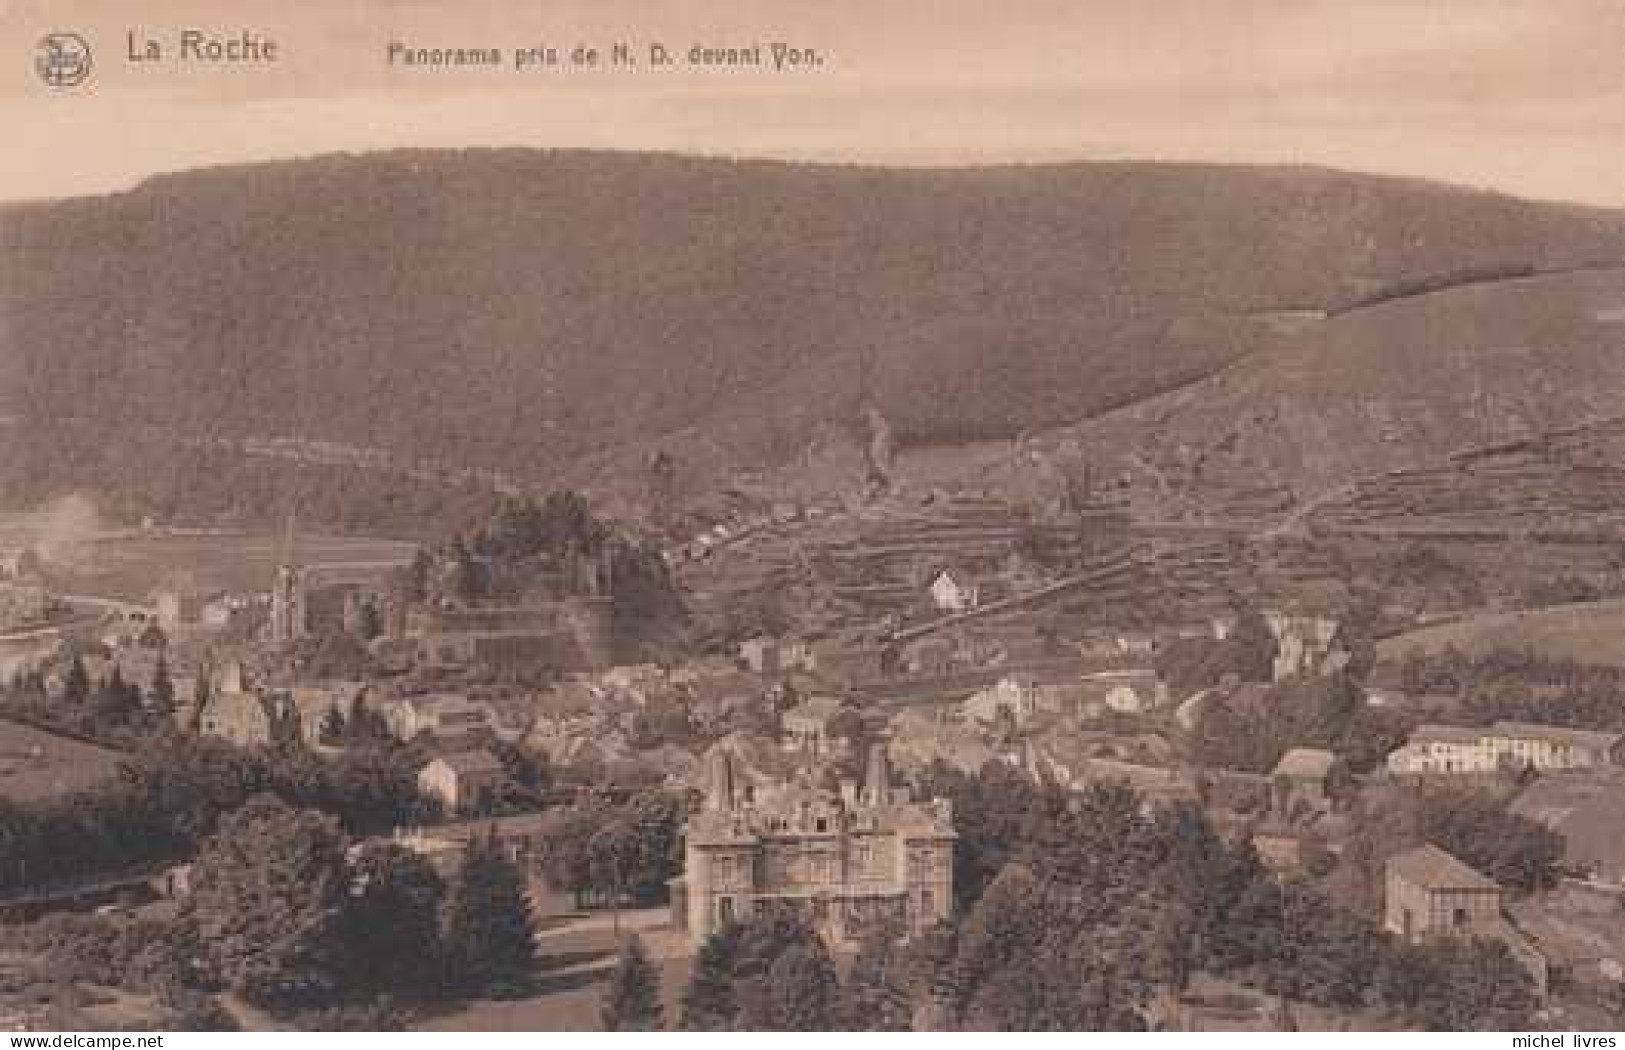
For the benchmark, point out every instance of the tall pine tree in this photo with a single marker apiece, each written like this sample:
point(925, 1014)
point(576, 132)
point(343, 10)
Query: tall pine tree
point(76, 684)
point(632, 1000)
point(490, 943)
point(162, 693)
point(392, 924)
point(268, 895)
point(709, 1003)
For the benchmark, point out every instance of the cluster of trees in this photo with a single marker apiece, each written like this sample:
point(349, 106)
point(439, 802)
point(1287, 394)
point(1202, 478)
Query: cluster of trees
point(614, 854)
point(1431, 577)
point(173, 790)
point(1329, 712)
point(1516, 684)
point(113, 709)
point(1472, 825)
point(774, 973)
point(1247, 653)
point(281, 914)
point(555, 545)
point(1080, 904)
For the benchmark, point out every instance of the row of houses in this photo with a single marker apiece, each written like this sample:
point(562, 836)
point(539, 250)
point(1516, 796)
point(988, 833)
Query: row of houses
point(1436, 749)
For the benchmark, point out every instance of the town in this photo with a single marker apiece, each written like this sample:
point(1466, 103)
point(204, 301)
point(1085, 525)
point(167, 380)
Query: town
point(908, 757)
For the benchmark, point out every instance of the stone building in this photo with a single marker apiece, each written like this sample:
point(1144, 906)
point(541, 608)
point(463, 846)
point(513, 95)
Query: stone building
point(566, 634)
point(250, 718)
point(1304, 645)
point(1428, 893)
point(1433, 749)
point(806, 726)
point(851, 859)
point(1305, 781)
point(463, 781)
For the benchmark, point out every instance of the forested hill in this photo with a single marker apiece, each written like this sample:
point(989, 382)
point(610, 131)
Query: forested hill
point(516, 309)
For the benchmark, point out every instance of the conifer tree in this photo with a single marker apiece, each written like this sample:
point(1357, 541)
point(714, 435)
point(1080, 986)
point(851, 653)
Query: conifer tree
point(632, 1000)
point(76, 686)
point(200, 698)
point(709, 1003)
point(162, 692)
point(489, 939)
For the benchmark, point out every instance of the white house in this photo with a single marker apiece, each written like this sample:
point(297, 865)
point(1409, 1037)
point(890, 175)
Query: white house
point(952, 595)
point(440, 715)
point(463, 780)
point(1303, 645)
point(1008, 698)
point(1516, 745)
point(765, 655)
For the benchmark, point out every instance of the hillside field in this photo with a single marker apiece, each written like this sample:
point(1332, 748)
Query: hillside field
point(1590, 632)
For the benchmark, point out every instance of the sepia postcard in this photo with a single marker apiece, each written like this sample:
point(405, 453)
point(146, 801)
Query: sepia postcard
point(872, 516)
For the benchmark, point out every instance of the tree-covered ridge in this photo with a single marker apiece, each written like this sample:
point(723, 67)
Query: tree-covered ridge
point(528, 312)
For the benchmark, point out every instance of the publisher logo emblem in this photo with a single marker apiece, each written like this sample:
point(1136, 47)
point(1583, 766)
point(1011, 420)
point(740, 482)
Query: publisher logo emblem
point(62, 60)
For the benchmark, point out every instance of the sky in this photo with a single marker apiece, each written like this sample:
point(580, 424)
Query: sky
point(1523, 96)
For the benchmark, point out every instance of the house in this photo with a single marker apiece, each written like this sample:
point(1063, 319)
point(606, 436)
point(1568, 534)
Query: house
point(850, 860)
point(569, 634)
point(805, 727)
point(249, 718)
point(1303, 645)
point(771, 656)
point(463, 781)
point(1433, 749)
point(1303, 782)
point(1428, 893)
point(952, 595)
point(1075, 762)
point(438, 714)
point(183, 608)
point(1135, 643)
point(1010, 700)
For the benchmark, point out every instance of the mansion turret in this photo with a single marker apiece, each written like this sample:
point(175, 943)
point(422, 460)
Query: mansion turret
point(868, 854)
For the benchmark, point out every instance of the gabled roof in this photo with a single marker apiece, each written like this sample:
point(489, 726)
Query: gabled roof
point(1432, 868)
point(1309, 762)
